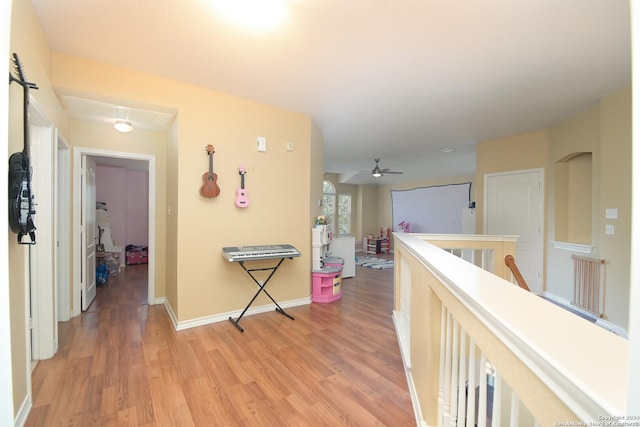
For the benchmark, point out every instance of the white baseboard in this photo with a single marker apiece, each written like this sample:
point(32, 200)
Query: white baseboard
point(605, 324)
point(206, 320)
point(23, 412)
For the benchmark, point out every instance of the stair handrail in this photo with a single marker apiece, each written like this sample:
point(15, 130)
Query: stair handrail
point(510, 262)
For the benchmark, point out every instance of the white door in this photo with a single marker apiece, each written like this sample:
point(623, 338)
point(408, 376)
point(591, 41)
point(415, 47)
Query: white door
point(88, 226)
point(514, 206)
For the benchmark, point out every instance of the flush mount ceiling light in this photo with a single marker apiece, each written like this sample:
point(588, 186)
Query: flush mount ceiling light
point(123, 126)
point(257, 14)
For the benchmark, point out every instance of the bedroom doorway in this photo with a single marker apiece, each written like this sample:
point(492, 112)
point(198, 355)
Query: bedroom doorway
point(79, 261)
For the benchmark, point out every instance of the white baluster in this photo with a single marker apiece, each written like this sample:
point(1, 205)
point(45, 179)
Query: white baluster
point(455, 357)
point(443, 345)
point(471, 393)
point(496, 411)
point(482, 400)
point(515, 410)
point(462, 376)
point(483, 261)
point(447, 371)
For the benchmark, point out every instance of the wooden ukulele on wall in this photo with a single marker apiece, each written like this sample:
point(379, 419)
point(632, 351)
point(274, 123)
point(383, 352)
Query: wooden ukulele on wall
point(242, 201)
point(209, 185)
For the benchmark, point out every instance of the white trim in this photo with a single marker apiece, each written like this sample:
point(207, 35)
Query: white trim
point(78, 152)
point(465, 237)
point(497, 304)
point(62, 225)
point(27, 320)
point(605, 324)
point(207, 320)
point(43, 280)
point(6, 372)
point(413, 393)
point(633, 392)
point(23, 411)
point(572, 247)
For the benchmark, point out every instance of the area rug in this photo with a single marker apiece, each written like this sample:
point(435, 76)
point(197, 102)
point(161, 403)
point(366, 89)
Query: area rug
point(373, 262)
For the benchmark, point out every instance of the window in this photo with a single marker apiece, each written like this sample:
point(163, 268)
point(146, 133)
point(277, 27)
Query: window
point(329, 204)
point(344, 213)
point(339, 215)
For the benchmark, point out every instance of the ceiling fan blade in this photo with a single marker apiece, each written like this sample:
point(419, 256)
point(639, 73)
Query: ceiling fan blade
point(377, 171)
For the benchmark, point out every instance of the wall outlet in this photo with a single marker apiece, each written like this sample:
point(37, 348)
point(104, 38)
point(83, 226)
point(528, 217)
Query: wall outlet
point(609, 229)
point(290, 146)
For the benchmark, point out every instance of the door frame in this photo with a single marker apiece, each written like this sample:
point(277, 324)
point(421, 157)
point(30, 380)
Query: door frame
point(62, 229)
point(42, 270)
point(78, 152)
point(540, 174)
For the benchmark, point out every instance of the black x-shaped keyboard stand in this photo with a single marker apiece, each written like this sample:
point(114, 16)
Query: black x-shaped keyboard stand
point(261, 287)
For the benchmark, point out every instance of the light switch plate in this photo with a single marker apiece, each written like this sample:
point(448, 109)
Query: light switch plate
point(611, 213)
point(262, 144)
point(609, 229)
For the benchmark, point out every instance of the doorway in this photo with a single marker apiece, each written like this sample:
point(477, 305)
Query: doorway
point(80, 274)
point(514, 206)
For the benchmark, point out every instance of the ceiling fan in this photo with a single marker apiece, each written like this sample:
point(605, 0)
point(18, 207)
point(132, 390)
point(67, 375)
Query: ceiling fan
point(377, 172)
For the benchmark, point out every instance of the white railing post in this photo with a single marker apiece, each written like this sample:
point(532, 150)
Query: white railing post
point(482, 318)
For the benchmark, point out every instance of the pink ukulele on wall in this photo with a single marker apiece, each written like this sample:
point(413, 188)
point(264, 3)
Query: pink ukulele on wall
point(242, 201)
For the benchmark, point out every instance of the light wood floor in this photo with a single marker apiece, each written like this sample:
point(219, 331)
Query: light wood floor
point(122, 363)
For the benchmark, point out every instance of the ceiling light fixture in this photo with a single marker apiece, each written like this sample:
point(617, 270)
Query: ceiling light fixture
point(256, 14)
point(123, 126)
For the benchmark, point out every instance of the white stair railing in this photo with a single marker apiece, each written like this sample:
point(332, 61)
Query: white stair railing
point(494, 354)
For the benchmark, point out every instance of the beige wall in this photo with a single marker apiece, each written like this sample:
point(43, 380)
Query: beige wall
point(277, 181)
point(316, 172)
point(191, 230)
point(370, 209)
point(603, 129)
point(28, 40)
point(615, 192)
point(517, 152)
point(102, 136)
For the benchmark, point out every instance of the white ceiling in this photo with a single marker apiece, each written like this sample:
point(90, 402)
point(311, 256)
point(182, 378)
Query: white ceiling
point(397, 80)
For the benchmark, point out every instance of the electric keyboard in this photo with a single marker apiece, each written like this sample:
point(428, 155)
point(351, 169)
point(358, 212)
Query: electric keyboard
point(251, 253)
